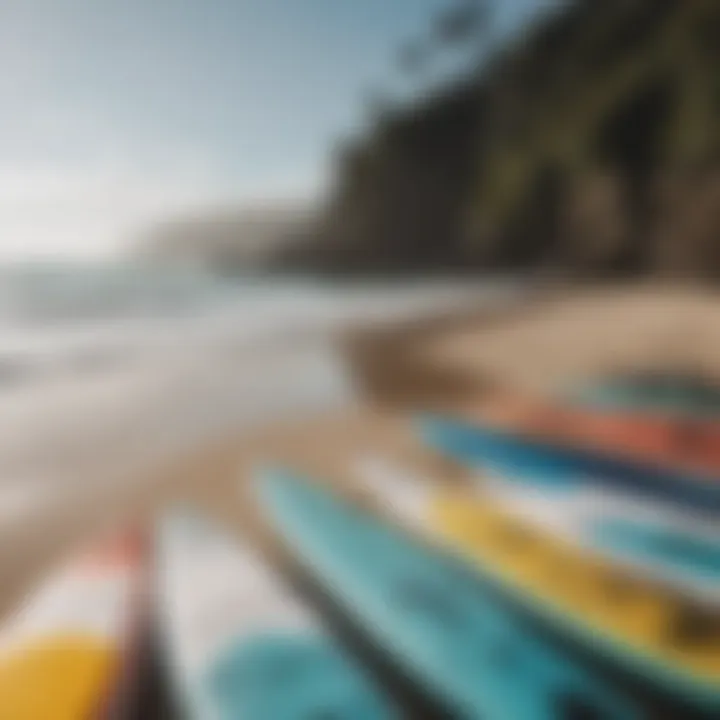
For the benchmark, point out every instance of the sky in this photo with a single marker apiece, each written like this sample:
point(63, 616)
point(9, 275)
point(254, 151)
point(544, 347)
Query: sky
point(118, 114)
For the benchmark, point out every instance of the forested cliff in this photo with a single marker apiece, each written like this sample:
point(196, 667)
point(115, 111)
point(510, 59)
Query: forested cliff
point(590, 144)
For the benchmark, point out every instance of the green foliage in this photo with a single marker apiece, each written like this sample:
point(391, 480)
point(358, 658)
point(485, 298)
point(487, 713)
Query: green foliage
point(562, 143)
point(606, 61)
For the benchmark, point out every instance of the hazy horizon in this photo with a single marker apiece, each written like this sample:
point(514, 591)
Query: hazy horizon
point(118, 115)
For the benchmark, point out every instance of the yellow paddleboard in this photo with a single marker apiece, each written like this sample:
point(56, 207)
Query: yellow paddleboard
point(63, 653)
point(644, 621)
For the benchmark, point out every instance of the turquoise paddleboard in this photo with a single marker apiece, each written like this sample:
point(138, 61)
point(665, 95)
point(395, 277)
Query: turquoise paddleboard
point(694, 555)
point(556, 467)
point(432, 616)
point(239, 645)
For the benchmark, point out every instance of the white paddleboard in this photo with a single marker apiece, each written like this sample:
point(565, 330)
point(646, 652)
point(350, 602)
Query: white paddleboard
point(66, 653)
point(662, 543)
point(242, 646)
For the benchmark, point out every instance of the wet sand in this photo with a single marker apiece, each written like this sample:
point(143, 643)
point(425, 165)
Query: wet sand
point(449, 362)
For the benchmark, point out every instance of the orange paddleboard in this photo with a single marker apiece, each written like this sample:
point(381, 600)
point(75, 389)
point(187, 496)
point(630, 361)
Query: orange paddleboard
point(683, 442)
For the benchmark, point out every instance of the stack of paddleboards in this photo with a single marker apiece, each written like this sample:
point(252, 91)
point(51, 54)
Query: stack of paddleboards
point(623, 553)
point(670, 427)
point(565, 583)
point(562, 581)
point(528, 625)
point(234, 642)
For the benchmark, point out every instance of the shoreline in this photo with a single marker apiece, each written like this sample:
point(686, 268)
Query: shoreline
point(449, 360)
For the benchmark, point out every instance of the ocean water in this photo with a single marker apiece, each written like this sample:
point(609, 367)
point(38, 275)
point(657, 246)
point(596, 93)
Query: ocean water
point(60, 320)
point(105, 371)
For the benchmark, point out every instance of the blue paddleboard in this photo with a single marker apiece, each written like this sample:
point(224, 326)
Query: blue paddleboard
point(431, 615)
point(239, 645)
point(557, 467)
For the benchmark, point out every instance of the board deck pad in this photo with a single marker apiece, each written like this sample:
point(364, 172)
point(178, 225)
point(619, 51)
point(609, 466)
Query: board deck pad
point(240, 645)
point(431, 615)
point(64, 653)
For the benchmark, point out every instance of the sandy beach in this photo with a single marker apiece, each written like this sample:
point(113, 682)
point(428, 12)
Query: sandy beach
point(447, 361)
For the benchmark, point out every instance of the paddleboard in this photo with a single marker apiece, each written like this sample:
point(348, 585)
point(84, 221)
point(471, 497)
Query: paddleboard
point(662, 635)
point(431, 615)
point(239, 645)
point(651, 632)
point(67, 652)
point(559, 468)
point(664, 545)
point(674, 547)
point(685, 442)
